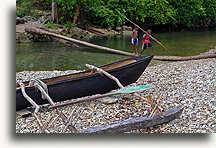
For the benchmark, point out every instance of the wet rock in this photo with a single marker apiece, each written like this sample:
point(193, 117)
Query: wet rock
point(109, 100)
point(19, 21)
point(118, 28)
point(76, 32)
point(24, 19)
point(126, 28)
point(45, 20)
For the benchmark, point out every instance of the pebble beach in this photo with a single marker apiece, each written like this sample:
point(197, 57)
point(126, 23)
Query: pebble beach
point(187, 83)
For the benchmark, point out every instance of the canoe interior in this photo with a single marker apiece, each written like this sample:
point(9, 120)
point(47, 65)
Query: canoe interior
point(106, 68)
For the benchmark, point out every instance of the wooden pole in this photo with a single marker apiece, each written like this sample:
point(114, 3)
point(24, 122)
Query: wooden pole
point(80, 101)
point(40, 86)
point(102, 72)
point(145, 32)
point(65, 42)
point(40, 31)
point(176, 58)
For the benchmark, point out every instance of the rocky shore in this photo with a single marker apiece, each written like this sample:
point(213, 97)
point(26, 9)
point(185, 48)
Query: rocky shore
point(187, 83)
point(76, 32)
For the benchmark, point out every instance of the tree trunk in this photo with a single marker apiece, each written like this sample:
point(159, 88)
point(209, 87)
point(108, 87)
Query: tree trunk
point(55, 12)
point(176, 58)
point(65, 42)
point(40, 31)
point(99, 33)
point(77, 14)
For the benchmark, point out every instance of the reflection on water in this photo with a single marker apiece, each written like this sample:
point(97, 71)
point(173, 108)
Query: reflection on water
point(56, 56)
point(178, 43)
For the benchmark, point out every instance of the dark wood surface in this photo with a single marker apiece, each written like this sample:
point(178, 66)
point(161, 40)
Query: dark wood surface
point(137, 123)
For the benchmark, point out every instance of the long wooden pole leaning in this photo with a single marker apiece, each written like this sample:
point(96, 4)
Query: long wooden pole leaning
point(145, 32)
point(40, 31)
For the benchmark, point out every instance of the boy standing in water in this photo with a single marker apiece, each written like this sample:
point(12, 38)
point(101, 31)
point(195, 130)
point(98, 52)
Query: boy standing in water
point(146, 41)
point(134, 36)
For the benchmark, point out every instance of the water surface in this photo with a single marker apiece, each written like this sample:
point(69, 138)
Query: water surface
point(56, 56)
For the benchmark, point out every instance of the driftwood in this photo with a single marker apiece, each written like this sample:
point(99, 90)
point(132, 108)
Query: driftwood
point(137, 123)
point(65, 42)
point(40, 31)
point(91, 30)
point(176, 58)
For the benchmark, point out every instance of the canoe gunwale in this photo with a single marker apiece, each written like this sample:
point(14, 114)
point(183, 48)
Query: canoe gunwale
point(96, 74)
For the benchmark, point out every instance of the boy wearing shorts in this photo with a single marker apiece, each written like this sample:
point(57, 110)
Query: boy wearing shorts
point(134, 40)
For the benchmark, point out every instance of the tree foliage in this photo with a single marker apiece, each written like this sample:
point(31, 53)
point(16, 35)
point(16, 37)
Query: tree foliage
point(188, 13)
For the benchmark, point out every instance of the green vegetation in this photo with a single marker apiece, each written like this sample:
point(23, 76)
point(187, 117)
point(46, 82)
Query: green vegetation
point(186, 13)
point(24, 8)
point(69, 25)
point(51, 25)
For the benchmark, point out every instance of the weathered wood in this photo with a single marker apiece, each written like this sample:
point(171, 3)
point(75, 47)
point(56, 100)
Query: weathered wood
point(22, 86)
point(176, 58)
point(44, 93)
point(101, 71)
point(40, 31)
point(65, 42)
point(91, 30)
point(136, 123)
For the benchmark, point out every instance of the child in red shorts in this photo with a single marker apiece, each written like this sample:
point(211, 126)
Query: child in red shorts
point(147, 41)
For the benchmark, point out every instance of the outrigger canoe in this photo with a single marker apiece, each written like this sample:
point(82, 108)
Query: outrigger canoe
point(85, 83)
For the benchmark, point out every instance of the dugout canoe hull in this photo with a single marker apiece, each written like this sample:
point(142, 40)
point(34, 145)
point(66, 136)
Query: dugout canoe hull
point(86, 83)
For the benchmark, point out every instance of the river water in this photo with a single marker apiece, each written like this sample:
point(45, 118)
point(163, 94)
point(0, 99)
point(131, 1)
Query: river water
point(43, 56)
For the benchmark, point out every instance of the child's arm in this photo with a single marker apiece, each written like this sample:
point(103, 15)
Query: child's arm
point(132, 34)
point(152, 37)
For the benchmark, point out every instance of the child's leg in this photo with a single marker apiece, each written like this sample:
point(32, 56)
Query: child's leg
point(132, 47)
point(136, 46)
point(144, 46)
point(152, 48)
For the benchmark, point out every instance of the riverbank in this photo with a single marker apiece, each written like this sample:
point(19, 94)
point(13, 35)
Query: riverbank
point(73, 32)
point(188, 83)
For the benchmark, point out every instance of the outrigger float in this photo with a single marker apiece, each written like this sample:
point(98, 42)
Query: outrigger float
point(112, 76)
